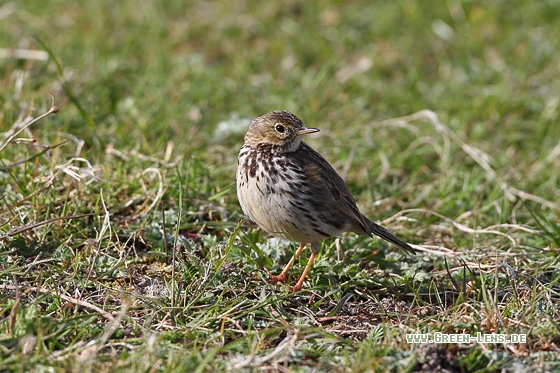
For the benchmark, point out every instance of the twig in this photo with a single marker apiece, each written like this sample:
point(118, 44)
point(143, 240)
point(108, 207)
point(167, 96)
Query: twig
point(19, 230)
point(24, 54)
point(52, 110)
point(531, 197)
point(159, 193)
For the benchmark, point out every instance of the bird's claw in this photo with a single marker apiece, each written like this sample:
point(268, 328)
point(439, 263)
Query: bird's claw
point(280, 278)
point(295, 288)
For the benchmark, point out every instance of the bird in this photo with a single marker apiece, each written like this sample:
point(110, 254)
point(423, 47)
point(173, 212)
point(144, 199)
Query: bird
point(289, 190)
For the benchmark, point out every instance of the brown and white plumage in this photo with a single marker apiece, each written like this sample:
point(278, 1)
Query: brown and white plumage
point(290, 190)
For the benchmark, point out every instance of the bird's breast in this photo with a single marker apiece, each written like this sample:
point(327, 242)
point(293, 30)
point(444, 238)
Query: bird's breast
point(274, 193)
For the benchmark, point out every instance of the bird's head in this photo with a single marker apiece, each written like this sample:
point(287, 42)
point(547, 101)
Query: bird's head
point(279, 130)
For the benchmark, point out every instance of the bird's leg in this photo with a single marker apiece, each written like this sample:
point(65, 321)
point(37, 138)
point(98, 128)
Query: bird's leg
point(314, 250)
point(283, 276)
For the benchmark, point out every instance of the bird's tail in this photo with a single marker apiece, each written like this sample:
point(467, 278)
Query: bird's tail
point(389, 237)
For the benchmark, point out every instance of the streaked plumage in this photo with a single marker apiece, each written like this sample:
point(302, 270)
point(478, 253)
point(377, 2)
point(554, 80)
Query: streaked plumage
point(290, 190)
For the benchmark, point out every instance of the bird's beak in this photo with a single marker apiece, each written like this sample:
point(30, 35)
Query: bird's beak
point(305, 131)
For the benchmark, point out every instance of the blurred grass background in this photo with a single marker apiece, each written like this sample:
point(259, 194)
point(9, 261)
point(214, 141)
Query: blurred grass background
point(154, 100)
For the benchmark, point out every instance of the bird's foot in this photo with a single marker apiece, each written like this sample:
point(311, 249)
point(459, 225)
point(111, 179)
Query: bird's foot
point(295, 288)
point(282, 278)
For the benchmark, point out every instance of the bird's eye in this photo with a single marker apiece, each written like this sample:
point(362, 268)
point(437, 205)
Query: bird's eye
point(280, 128)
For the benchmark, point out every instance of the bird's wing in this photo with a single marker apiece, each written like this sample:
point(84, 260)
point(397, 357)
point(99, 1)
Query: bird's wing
point(331, 196)
point(334, 201)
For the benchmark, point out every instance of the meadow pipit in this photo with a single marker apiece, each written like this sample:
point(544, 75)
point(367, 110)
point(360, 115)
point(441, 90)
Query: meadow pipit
point(290, 190)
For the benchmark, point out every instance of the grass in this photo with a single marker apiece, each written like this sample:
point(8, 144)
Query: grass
point(123, 247)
